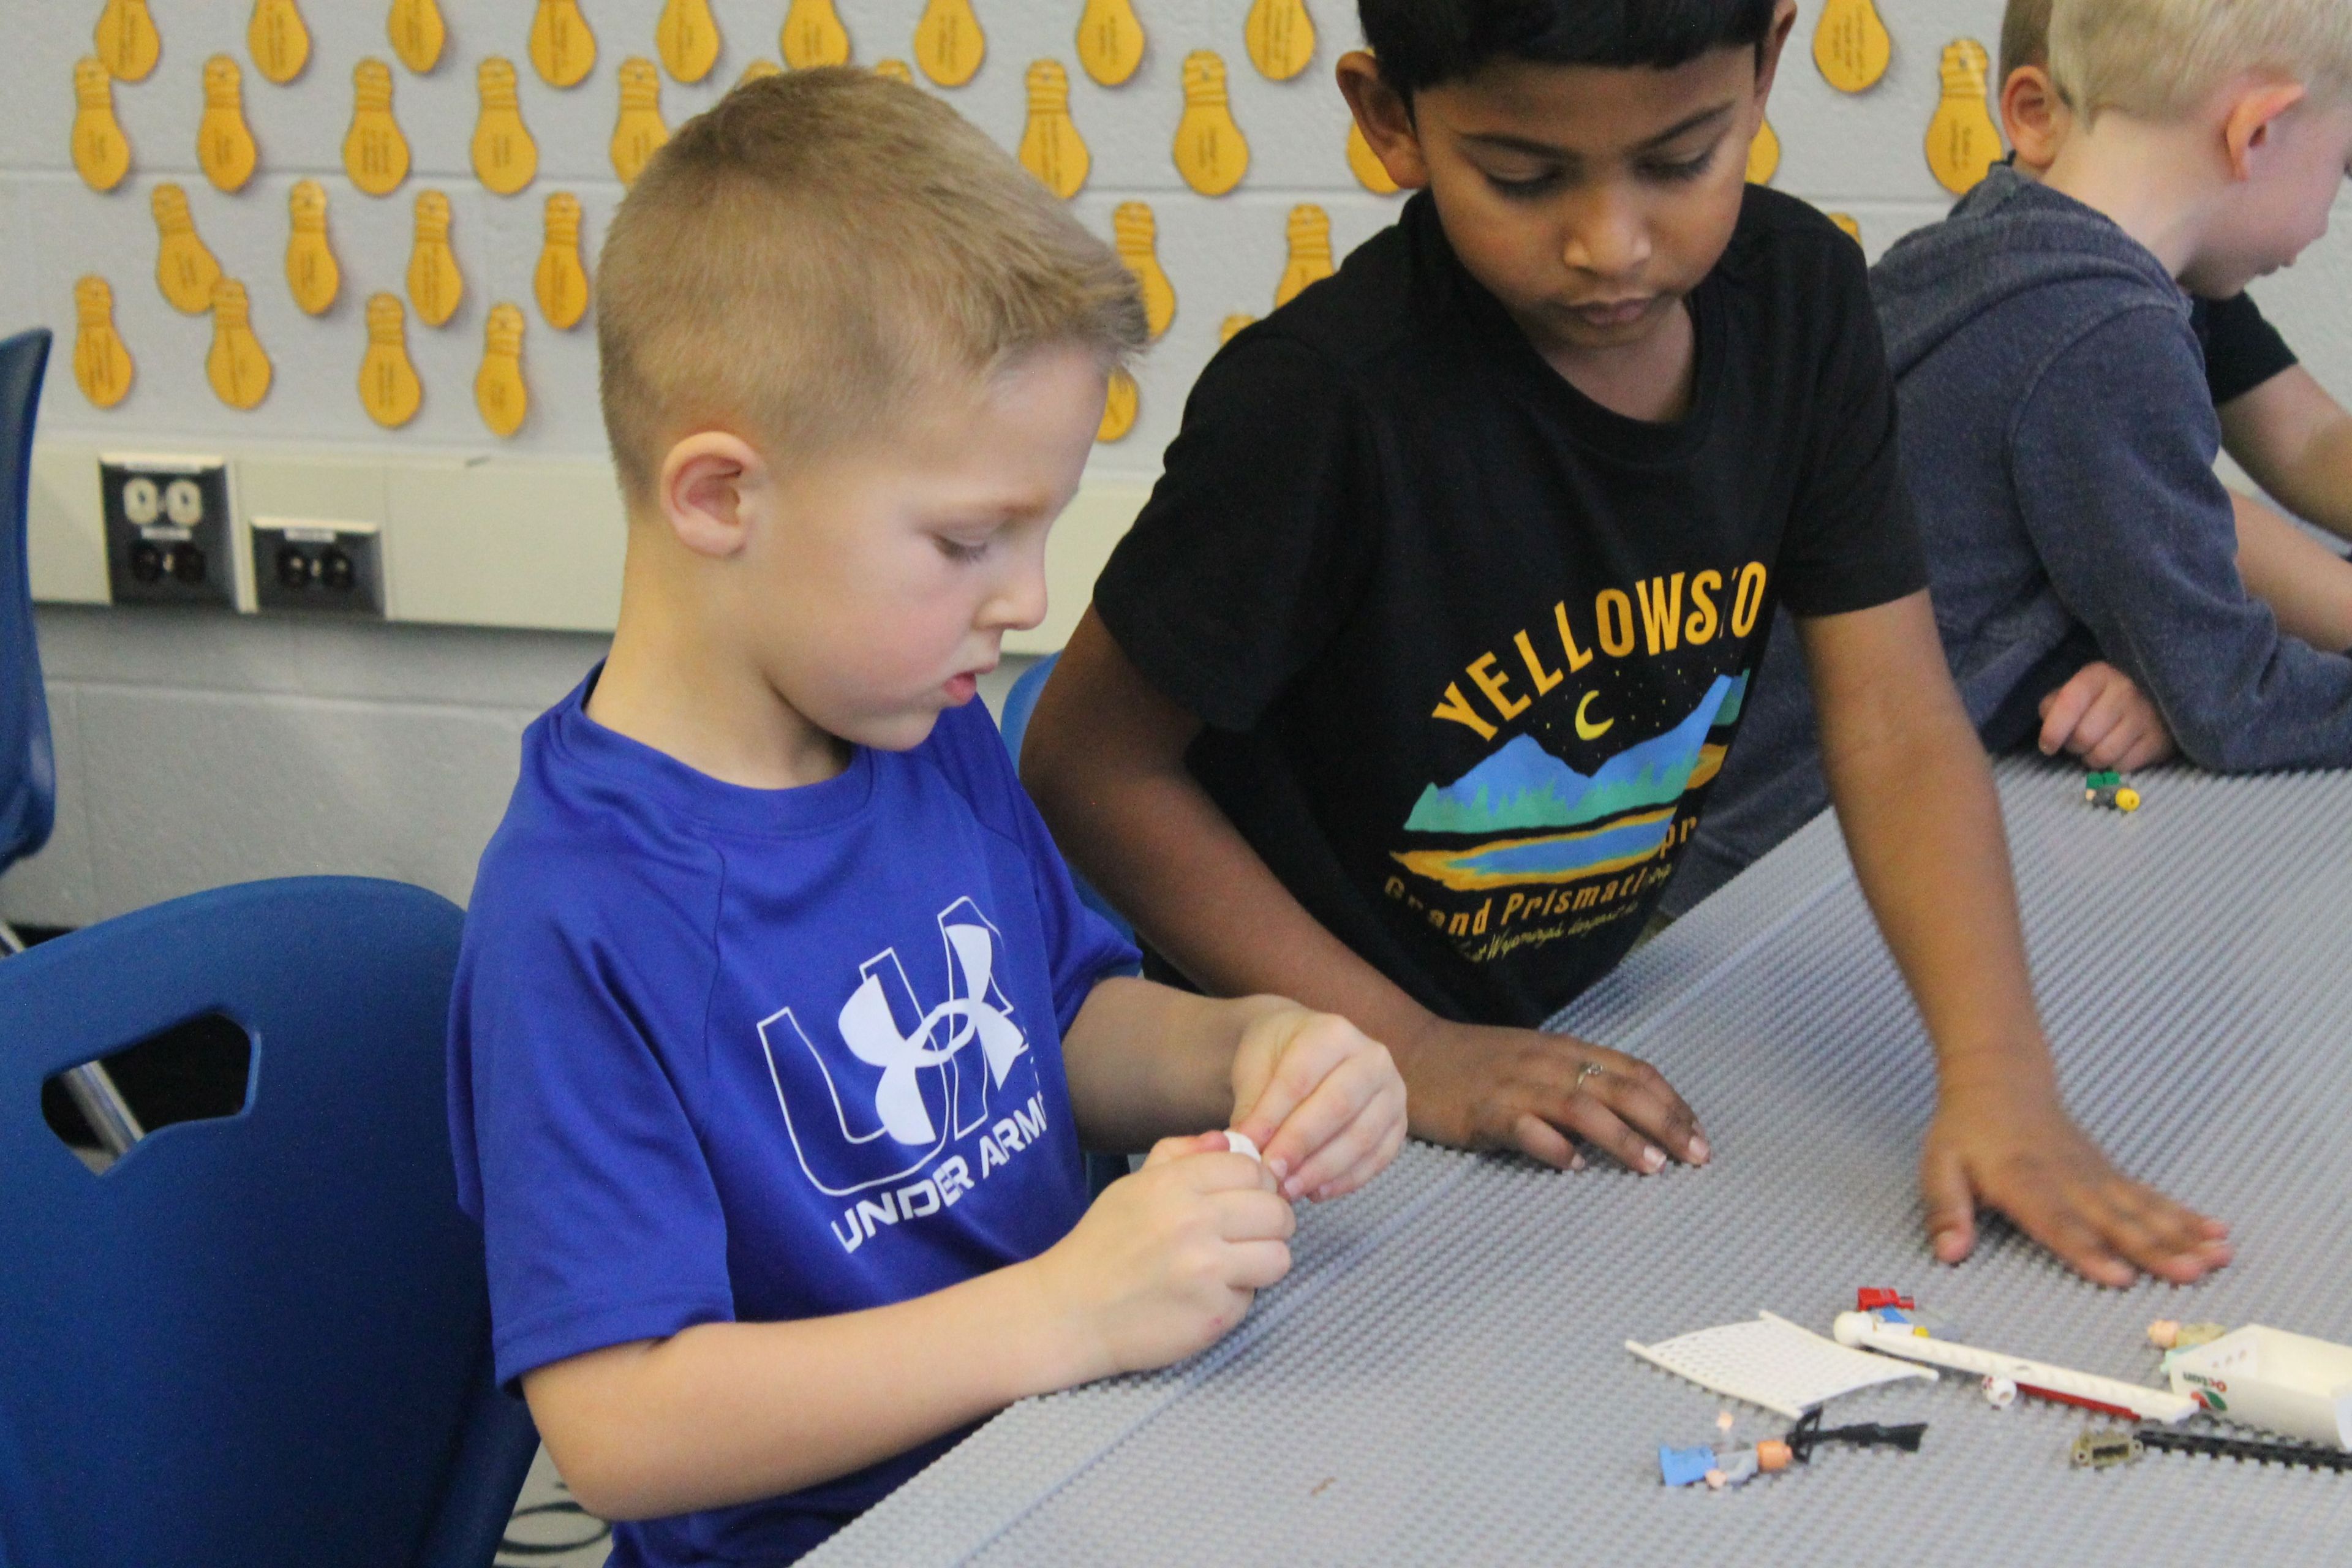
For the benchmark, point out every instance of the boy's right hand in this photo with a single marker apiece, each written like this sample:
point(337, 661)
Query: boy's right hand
point(1168, 1258)
point(1477, 1087)
point(2104, 718)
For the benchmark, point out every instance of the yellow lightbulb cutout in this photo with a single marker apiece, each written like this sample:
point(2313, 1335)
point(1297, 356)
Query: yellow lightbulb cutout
point(505, 157)
point(1110, 40)
point(1051, 147)
point(1851, 46)
point(561, 282)
point(639, 133)
point(814, 36)
point(1135, 235)
point(1763, 154)
point(1846, 222)
point(563, 47)
point(1232, 324)
point(224, 145)
point(1310, 234)
point(184, 269)
point(948, 43)
point(237, 368)
point(763, 67)
point(498, 389)
point(279, 41)
point(312, 273)
point(897, 70)
point(1118, 407)
point(1211, 152)
point(1370, 171)
point(417, 33)
point(101, 364)
point(687, 38)
point(435, 285)
point(100, 150)
point(376, 154)
point(1280, 36)
point(1962, 141)
point(389, 389)
point(127, 40)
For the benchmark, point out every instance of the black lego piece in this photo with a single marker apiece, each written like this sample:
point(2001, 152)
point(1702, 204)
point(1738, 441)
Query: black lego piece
point(1807, 1433)
point(2262, 1453)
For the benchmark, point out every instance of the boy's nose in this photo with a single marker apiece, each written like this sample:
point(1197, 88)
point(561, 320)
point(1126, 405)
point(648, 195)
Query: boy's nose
point(1018, 603)
point(1606, 237)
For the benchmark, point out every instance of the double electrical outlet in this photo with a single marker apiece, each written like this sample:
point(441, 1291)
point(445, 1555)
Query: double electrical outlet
point(170, 541)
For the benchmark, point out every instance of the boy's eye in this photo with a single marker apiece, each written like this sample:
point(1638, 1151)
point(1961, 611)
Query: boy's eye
point(1523, 189)
point(1674, 172)
point(957, 550)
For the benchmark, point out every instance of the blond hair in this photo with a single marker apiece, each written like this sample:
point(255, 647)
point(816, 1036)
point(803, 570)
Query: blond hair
point(804, 258)
point(2024, 37)
point(2160, 59)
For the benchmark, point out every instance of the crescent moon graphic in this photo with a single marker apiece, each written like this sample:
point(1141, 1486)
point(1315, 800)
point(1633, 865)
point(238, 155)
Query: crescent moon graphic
point(1586, 731)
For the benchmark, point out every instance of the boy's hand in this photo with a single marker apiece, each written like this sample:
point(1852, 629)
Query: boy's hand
point(1323, 1103)
point(2018, 1152)
point(1168, 1258)
point(1477, 1087)
point(2103, 717)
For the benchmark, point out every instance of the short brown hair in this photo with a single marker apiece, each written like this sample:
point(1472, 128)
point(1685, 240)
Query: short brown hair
point(2024, 38)
point(803, 257)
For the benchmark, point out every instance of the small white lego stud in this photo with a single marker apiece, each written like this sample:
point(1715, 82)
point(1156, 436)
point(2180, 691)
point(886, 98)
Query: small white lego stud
point(2000, 1393)
point(1241, 1145)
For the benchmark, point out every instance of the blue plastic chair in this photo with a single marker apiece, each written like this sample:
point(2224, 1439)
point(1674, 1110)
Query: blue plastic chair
point(264, 1338)
point(1020, 704)
point(28, 777)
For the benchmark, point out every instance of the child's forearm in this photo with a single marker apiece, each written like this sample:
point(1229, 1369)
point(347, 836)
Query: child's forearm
point(1147, 1062)
point(2295, 440)
point(2307, 585)
point(1922, 822)
point(731, 1413)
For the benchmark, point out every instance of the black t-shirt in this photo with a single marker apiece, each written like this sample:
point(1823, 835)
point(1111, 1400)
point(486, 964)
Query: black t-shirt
point(1468, 645)
point(2242, 350)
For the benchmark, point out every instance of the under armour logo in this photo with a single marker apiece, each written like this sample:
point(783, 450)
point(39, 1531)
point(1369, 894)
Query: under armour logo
point(885, 1102)
point(869, 1031)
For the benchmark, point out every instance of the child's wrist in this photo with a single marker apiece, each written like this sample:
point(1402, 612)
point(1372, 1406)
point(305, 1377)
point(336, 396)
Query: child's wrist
point(1054, 1344)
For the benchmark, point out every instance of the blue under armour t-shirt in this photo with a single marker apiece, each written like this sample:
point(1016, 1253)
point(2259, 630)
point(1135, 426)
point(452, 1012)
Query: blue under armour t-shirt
point(722, 1054)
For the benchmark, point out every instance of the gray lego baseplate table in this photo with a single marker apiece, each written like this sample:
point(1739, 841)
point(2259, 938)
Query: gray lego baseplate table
point(1442, 1377)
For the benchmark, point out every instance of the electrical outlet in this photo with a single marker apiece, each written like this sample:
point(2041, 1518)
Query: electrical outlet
point(167, 529)
point(304, 565)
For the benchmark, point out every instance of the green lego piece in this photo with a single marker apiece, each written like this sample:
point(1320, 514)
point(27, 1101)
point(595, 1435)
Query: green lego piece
point(2107, 780)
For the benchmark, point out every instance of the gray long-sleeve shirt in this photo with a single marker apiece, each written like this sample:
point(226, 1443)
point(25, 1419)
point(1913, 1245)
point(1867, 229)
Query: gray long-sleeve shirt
point(2059, 443)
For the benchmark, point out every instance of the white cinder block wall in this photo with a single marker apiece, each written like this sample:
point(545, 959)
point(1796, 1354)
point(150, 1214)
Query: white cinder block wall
point(201, 749)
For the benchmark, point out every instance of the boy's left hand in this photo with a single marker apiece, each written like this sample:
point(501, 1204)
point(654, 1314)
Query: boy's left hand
point(1324, 1103)
point(2018, 1152)
point(2104, 719)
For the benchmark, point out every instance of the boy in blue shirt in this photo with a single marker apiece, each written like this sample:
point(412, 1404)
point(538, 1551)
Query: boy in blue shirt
point(1404, 695)
point(778, 1022)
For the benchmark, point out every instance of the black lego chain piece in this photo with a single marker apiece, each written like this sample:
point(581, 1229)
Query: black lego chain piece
point(2262, 1453)
point(1807, 1433)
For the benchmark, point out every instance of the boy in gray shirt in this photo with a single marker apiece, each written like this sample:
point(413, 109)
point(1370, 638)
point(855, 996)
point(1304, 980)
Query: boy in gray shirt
point(2056, 429)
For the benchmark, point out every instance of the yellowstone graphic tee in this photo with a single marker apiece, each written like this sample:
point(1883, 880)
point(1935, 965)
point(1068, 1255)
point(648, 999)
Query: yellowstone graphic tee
point(1469, 647)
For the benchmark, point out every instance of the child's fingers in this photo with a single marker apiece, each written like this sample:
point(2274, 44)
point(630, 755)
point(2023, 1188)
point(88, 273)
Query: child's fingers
point(1626, 1108)
point(2104, 719)
point(1254, 1216)
point(1315, 1046)
point(1951, 1206)
point(1168, 1149)
point(1383, 1148)
point(1254, 1265)
point(2063, 710)
point(1354, 1084)
point(1348, 1145)
point(1539, 1141)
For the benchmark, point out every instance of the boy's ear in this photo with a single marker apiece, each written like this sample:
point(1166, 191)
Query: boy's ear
point(704, 481)
point(2032, 116)
point(1385, 118)
point(2251, 126)
point(1776, 40)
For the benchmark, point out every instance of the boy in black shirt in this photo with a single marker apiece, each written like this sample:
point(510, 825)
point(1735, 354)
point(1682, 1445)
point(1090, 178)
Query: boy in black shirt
point(1403, 693)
